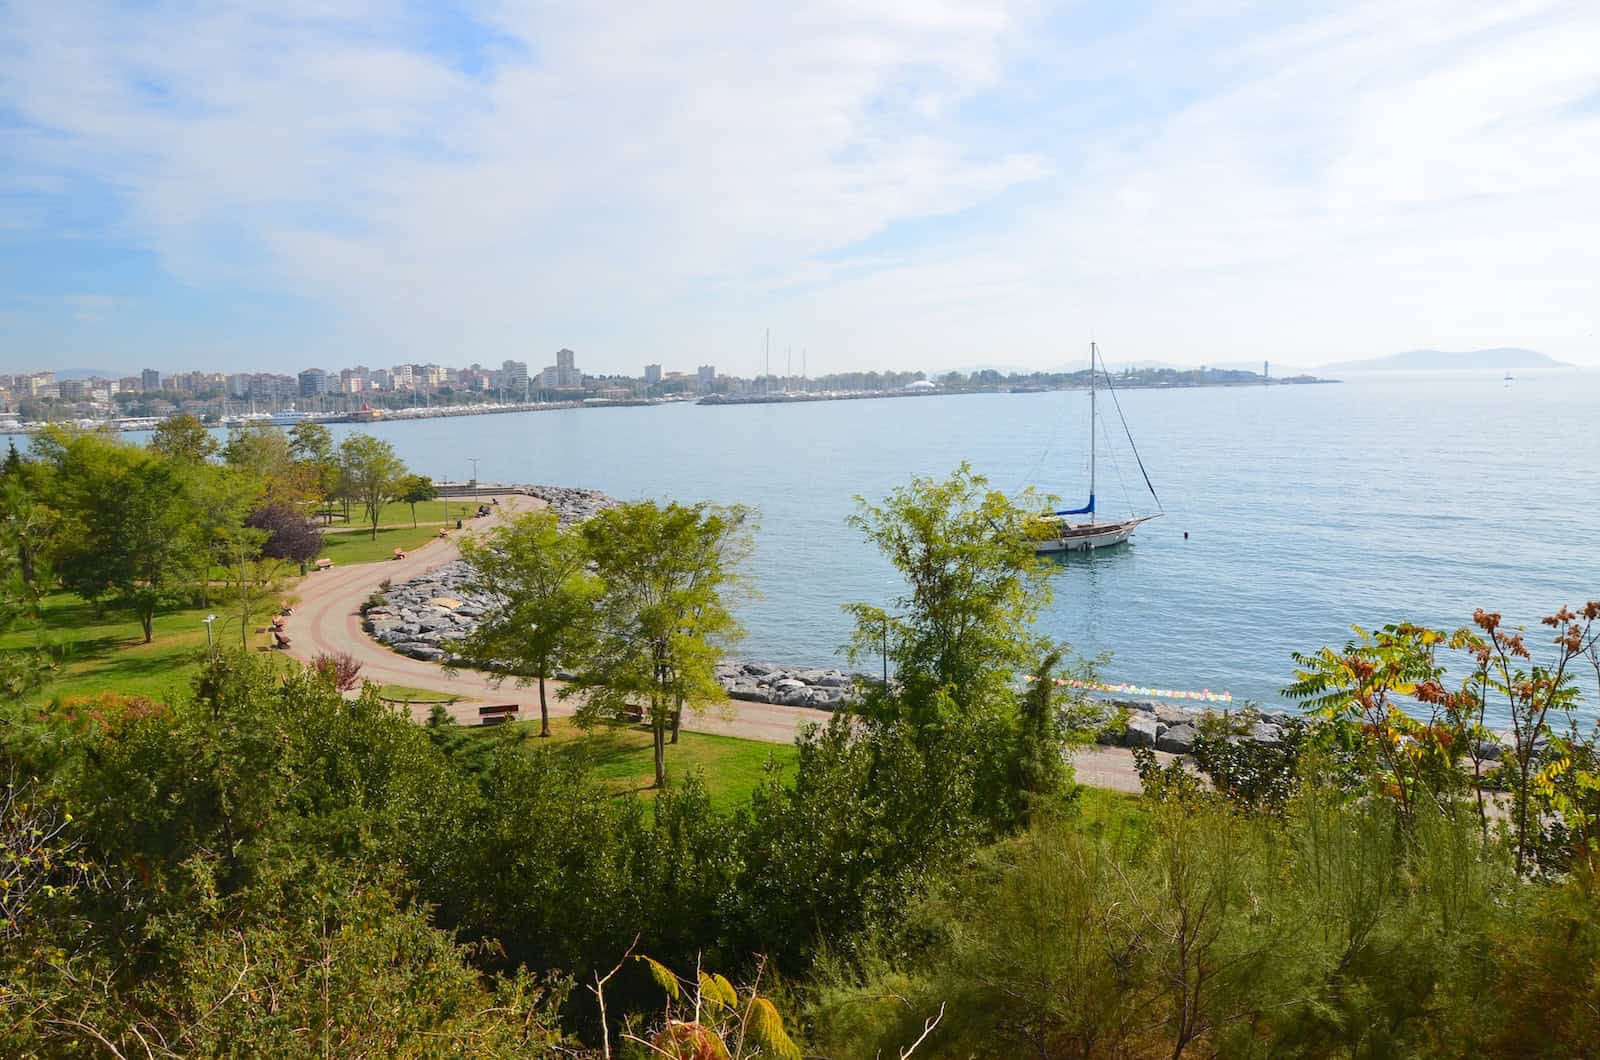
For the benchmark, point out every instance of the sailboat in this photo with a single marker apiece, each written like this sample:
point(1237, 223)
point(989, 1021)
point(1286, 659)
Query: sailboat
point(1055, 531)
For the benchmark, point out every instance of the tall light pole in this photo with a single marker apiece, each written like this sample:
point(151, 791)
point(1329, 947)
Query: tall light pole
point(474, 478)
point(207, 623)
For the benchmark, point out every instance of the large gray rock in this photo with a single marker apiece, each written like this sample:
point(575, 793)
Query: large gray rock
point(1179, 739)
point(1265, 734)
point(1171, 715)
point(1141, 731)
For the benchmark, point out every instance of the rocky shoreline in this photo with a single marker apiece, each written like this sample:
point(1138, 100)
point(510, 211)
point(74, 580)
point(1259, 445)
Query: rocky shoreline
point(418, 618)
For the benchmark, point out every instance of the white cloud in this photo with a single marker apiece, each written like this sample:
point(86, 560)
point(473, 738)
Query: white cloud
point(647, 183)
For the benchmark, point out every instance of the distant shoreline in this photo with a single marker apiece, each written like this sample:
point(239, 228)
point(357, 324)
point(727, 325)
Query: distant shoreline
point(861, 395)
point(135, 424)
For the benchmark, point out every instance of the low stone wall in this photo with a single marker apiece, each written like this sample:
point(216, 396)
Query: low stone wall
point(1172, 728)
point(758, 682)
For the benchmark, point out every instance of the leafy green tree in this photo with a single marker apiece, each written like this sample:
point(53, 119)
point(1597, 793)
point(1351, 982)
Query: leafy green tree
point(1040, 773)
point(663, 615)
point(27, 522)
point(543, 610)
point(973, 589)
point(373, 473)
point(251, 580)
point(1361, 694)
point(260, 453)
point(312, 447)
point(415, 490)
point(310, 440)
point(220, 498)
point(183, 438)
point(134, 537)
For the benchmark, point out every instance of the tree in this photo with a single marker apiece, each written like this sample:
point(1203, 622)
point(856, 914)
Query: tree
point(372, 470)
point(311, 441)
point(663, 618)
point(1533, 692)
point(974, 588)
point(290, 534)
point(183, 438)
point(26, 522)
point(415, 490)
point(543, 610)
point(1040, 771)
point(260, 452)
point(311, 445)
point(134, 533)
point(250, 580)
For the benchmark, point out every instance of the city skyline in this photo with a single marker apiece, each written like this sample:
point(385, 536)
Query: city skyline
point(928, 187)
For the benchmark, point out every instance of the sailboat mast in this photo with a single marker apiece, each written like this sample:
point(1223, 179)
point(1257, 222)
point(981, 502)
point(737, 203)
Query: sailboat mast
point(1093, 356)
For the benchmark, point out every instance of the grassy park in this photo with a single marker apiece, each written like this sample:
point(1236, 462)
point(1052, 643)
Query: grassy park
point(345, 547)
point(619, 755)
point(444, 511)
point(104, 650)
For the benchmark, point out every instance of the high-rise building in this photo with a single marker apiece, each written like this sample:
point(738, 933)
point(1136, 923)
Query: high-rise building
point(313, 382)
point(150, 379)
point(706, 374)
point(652, 374)
point(564, 373)
point(514, 377)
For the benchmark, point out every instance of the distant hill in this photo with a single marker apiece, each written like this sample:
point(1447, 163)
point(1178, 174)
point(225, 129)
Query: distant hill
point(1501, 359)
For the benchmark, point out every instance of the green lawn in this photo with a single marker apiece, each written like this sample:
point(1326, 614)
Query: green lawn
point(620, 755)
point(358, 546)
point(1118, 816)
point(106, 652)
point(398, 513)
point(415, 695)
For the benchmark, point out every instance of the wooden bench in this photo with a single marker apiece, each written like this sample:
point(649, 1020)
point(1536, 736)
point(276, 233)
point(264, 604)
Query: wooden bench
point(324, 563)
point(497, 715)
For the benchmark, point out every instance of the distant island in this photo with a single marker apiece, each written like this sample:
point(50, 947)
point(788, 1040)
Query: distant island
point(1500, 359)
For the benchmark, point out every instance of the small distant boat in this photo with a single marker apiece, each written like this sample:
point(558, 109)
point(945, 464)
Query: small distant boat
point(1509, 377)
point(1055, 532)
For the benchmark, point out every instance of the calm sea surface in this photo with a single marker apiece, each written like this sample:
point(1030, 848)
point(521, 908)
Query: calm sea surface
point(1306, 508)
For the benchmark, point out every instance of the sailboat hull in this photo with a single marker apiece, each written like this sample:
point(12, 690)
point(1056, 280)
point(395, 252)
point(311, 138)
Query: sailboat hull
point(1086, 537)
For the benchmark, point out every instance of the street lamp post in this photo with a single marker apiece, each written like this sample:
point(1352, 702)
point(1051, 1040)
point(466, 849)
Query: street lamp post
point(474, 461)
point(207, 623)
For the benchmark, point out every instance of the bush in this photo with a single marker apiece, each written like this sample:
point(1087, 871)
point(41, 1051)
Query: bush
point(291, 535)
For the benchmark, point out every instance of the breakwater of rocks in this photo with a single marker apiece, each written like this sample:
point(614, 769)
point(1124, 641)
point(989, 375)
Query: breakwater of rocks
point(1171, 728)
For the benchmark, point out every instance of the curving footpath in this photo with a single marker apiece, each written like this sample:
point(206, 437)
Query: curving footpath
point(327, 620)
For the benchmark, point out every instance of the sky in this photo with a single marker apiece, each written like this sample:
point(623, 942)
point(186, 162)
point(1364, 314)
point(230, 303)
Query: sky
point(898, 184)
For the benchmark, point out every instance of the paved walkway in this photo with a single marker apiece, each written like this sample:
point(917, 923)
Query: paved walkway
point(327, 620)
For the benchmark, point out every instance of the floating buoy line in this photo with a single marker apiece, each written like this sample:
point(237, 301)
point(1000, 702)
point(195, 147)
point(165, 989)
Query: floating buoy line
point(1204, 695)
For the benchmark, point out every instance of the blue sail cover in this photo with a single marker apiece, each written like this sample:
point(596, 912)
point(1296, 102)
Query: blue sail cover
point(1087, 509)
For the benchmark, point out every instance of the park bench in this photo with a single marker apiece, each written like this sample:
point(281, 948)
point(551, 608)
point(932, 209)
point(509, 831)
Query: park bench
point(498, 714)
point(324, 563)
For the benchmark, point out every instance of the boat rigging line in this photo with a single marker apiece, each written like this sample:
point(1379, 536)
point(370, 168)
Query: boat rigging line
point(1126, 430)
